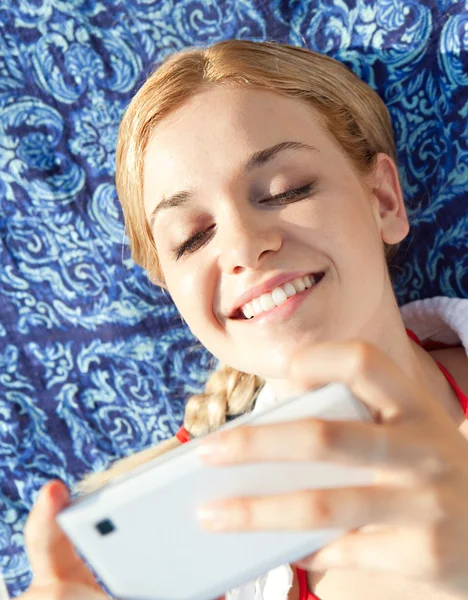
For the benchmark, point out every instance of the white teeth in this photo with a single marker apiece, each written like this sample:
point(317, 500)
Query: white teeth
point(257, 307)
point(289, 289)
point(299, 284)
point(248, 310)
point(267, 302)
point(277, 296)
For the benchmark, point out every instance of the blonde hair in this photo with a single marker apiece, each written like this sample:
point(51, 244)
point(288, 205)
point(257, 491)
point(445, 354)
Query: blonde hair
point(348, 109)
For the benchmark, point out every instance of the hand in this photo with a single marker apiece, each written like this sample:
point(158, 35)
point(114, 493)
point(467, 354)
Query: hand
point(58, 571)
point(418, 508)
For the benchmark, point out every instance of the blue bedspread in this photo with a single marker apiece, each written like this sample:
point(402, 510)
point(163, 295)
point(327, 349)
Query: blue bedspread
point(94, 361)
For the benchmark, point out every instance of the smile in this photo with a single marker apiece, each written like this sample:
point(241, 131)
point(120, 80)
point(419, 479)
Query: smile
point(282, 296)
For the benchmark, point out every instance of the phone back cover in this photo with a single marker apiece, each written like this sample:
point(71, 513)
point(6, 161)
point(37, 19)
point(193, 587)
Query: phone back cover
point(158, 551)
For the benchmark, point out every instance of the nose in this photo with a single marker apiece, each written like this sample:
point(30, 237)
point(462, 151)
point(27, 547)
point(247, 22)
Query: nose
point(246, 238)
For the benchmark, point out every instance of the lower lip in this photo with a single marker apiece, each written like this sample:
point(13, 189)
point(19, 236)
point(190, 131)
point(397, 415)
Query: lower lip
point(283, 311)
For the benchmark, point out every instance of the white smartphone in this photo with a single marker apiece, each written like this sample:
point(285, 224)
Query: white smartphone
point(141, 535)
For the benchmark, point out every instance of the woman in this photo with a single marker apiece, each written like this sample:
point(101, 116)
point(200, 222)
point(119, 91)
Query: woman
point(259, 186)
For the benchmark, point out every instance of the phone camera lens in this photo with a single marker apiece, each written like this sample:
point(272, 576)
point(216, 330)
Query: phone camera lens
point(105, 527)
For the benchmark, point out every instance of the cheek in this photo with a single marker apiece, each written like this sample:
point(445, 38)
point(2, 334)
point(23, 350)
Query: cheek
point(352, 223)
point(345, 231)
point(190, 290)
point(183, 293)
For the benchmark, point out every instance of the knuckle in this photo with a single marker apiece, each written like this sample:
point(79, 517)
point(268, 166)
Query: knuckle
point(317, 511)
point(435, 467)
point(320, 436)
point(363, 357)
point(444, 506)
point(241, 444)
point(432, 465)
point(245, 514)
point(431, 554)
point(435, 504)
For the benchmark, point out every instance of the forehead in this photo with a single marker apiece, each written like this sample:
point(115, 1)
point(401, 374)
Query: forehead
point(212, 134)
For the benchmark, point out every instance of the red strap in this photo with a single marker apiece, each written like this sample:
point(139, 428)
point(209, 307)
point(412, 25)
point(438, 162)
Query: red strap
point(413, 336)
point(304, 593)
point(183, 435)
point(462, 397)
point(428, 344)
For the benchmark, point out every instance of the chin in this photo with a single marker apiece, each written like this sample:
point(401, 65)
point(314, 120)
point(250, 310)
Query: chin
point(273, 364)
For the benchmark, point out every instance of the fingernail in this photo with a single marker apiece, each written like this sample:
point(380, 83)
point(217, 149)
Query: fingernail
point(212, 451)
point(214, 517)
point(327, 558)
point(56, 493)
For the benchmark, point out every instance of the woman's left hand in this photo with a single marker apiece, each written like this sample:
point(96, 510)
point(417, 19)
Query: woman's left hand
point(420, 500)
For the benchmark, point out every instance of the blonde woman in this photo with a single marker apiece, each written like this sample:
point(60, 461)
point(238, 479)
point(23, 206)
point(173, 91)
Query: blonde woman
point(260, 188)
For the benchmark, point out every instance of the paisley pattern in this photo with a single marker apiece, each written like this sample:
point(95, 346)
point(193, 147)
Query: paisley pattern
point(94, 361)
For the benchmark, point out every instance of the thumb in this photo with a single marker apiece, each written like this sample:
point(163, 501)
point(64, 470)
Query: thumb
point(51, 554)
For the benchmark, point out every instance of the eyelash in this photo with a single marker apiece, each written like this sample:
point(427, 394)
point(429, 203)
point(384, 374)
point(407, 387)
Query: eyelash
point(296, 194)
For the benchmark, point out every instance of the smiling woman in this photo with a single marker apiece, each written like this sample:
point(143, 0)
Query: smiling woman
point(189, 205)
point(259, 186)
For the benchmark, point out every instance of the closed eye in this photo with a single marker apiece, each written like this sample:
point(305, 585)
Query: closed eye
point(193, 243)
point(290, 195)
point(202, 237)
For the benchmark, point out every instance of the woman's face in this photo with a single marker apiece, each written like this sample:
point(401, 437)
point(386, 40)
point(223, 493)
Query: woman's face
point(247, 193)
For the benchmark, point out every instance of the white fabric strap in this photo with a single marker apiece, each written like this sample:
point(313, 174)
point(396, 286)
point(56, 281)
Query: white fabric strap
point(440, 319)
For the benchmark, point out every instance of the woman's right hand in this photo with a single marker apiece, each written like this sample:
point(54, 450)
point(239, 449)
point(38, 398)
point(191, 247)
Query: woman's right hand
point(58, 571)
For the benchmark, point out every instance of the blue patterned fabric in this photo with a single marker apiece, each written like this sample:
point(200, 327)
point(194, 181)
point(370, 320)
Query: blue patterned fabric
point(94, 361)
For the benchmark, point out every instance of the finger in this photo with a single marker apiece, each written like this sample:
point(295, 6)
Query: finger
point(50, 552)
point(408, 552)
point(41, 531)
point(351, 443)
point(306, 440)
point(343, 508)
point(370, 374)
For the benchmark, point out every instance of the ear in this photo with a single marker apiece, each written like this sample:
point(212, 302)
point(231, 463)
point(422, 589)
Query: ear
point(388, 201)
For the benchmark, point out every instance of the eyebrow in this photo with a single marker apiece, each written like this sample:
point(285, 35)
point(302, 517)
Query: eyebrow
point(256, 160)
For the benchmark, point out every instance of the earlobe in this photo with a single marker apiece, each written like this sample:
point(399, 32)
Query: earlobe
point(390, 205)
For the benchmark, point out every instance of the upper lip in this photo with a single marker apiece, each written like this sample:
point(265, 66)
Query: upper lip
point(267, 286)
